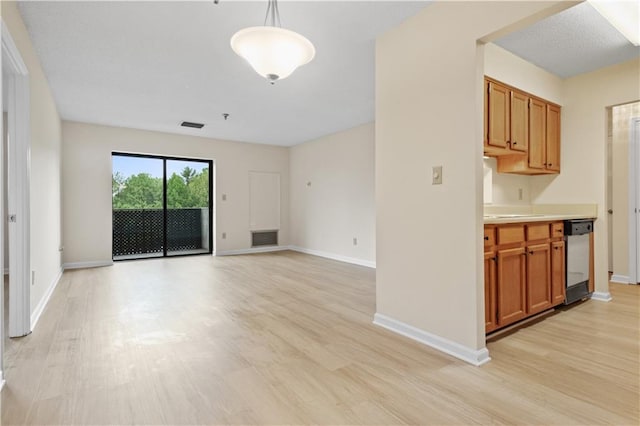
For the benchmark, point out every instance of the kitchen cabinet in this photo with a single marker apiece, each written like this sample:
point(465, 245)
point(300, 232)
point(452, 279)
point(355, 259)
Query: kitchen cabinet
point(521, 130)
point(553, 138)
point(519, 124)
point(506, 120)
point(538, 278)
point(524, 271)
point(490, 319)
point(557, 272)
point(537, 134)
point(511, 286)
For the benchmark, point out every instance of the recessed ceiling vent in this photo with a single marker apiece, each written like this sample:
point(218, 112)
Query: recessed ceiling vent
point(192, 125)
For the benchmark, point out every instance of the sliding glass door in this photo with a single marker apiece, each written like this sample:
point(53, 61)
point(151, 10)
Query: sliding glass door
point(161, 206)
point(188, 230)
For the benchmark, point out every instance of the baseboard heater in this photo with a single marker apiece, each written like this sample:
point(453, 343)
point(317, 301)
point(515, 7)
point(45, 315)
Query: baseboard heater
point(264, 238)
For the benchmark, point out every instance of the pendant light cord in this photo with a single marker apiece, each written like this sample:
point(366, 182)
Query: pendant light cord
point(273, 14)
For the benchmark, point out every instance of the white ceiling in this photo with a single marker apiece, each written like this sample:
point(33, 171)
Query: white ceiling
point(572, 42)
point(151, 65)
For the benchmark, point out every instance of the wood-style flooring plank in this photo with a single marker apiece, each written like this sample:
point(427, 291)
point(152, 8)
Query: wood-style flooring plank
point(287, 338)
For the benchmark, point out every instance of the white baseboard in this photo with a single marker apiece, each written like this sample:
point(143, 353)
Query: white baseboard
point(601, 296)
point(251, 250)
point(90, 264)
point(35, 315)
point(620, 279)
point(338, 257)
point(472, 356)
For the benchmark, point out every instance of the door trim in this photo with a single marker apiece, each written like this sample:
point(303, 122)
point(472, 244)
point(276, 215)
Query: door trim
point(634, 200)
point(19, 152)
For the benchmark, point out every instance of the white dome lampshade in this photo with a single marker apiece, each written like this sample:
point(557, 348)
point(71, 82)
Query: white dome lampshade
point(273, 52)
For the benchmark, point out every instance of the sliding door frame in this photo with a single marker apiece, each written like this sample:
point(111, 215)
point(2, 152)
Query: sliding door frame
point(164, 159)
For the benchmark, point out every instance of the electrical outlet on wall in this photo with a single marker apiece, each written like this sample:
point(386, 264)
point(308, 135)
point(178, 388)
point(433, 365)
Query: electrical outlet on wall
point(520, 194)
point(224, 197)
point(33, 277)
point(224, 235)
point(355, 241)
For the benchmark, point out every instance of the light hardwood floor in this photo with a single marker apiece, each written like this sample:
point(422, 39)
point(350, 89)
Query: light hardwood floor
point(286, 338)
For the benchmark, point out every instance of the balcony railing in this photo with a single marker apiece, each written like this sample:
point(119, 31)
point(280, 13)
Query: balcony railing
point(141, 231)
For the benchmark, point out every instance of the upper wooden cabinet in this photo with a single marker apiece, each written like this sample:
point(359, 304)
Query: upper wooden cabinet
point(553, 138)
point(519, 122)
point(522, 130)
point(497, 111)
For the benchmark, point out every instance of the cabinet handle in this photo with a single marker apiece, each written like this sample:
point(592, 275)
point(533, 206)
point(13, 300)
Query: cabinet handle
point(550, 164)
point(494, 258)
point(486, 238)
point(531, 252)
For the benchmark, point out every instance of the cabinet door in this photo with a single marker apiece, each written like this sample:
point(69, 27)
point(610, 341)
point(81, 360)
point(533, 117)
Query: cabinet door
point(490, 314)
point(557, 272)
point(511, 286)
point(538, 278)
point(537, 134)
point(519, 121)
point(553, 138)
point(498, 132)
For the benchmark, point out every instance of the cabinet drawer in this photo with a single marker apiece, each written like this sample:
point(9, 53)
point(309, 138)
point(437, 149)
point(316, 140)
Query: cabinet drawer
point(489, 236)
point(557, 229)
point(537, 231)
point(510, 234)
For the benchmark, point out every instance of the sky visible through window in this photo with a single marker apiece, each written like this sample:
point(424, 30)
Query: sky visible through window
point(130, 166)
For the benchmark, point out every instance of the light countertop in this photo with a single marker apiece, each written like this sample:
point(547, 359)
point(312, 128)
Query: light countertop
point(494, 219)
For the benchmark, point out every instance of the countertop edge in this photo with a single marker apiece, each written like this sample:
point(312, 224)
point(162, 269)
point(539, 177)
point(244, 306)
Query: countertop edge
point(525, 219)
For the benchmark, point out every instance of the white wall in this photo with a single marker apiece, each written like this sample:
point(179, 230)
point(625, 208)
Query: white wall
point(506, 187)
point(333, 195)
point(45, 163)
point(511, 69)
point(87, 172)
point(429, 112)
point(584, 153)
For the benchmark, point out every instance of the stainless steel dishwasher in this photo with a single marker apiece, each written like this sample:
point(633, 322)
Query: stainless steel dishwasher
point(578, 246)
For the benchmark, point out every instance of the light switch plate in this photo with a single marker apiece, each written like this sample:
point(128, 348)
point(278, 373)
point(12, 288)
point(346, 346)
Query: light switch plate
point(436, 174)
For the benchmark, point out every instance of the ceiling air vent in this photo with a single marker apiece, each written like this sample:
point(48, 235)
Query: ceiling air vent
point(192, 125)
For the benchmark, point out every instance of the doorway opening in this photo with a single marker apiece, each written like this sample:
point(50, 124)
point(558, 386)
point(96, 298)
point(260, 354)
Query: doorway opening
point(623, 192)
point(162, 206)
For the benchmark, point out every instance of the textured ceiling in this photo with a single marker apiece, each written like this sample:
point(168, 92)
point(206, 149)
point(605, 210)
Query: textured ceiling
point(573, 42)
point(151, 65)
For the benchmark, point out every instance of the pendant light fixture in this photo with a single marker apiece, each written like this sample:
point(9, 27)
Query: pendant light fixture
point(271, 50)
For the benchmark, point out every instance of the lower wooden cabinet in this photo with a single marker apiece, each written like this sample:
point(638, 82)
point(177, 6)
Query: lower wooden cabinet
point(512, 297)
point(558, 277)
point(490, 319)
point(538, 278)
point(524, 271)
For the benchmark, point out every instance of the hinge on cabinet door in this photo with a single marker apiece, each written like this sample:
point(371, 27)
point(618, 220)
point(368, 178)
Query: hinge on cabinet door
point(489, 88)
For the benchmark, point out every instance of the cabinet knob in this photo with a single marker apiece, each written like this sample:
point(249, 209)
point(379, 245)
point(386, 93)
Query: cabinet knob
point(531, 252)
point(550, 164)
point(486, 238)
point(515, 143)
